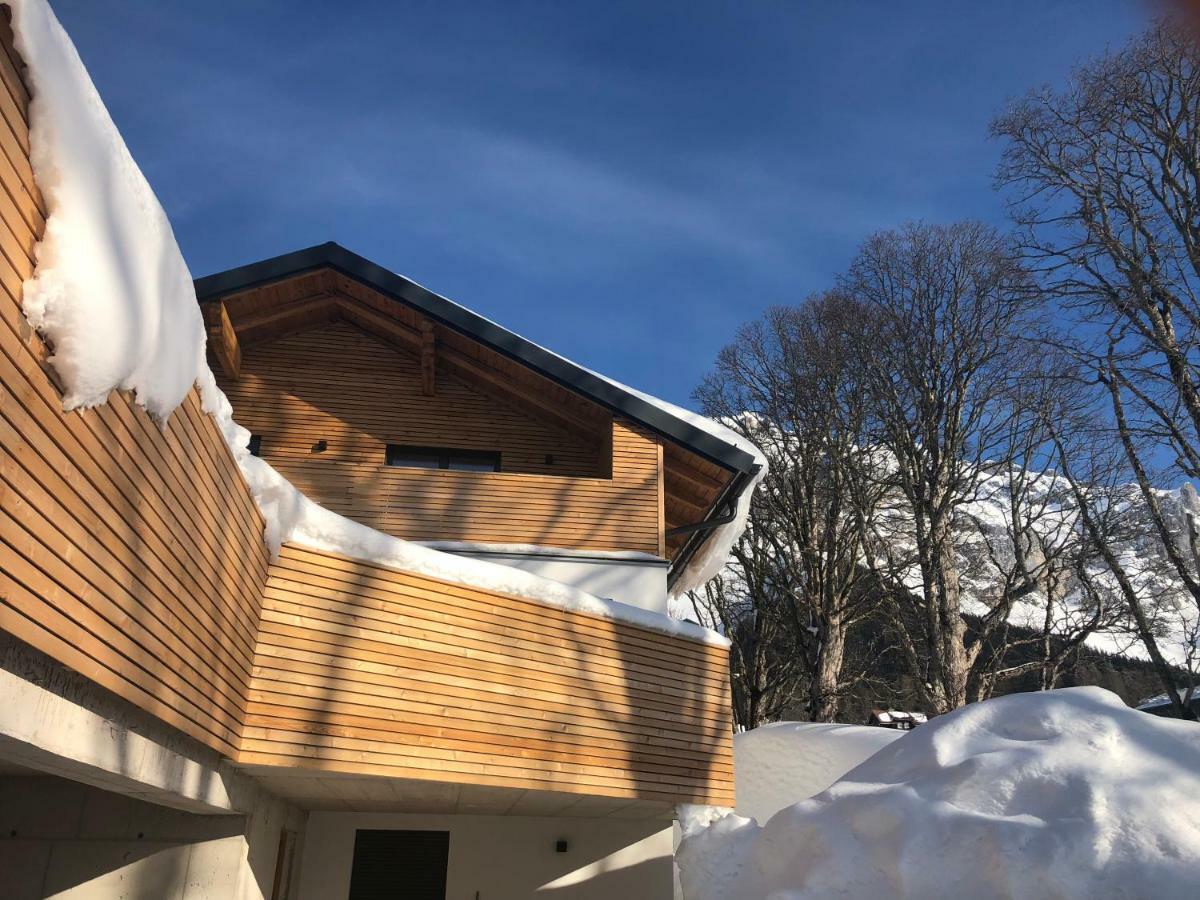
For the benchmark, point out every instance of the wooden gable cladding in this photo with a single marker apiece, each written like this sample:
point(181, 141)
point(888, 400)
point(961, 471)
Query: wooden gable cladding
point(301, 302)
point(130, 553)
point(690, 487)
point(368, 671)
point(343, 385)
point(339, 384)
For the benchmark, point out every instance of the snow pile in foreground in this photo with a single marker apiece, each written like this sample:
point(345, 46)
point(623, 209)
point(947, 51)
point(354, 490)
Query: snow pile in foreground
point(111, 292)
point(786, 762)
point(114, 297)
point(1065, 794)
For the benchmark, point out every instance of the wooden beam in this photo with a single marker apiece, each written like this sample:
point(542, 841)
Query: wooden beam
point(428, 359)
point(463, 367)
point(281, 320)
point(491, 382)
point(222, 339)
point(391, 330)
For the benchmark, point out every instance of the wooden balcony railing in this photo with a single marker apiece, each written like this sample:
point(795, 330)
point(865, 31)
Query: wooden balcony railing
point(365, 670)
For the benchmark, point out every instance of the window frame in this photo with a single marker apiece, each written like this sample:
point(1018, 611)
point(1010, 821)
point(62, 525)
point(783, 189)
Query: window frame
point(446, 457)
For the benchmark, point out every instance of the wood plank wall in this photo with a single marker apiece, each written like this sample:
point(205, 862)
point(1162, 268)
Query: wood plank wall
point(366, 670)
point(337, 383)
point(132, 554)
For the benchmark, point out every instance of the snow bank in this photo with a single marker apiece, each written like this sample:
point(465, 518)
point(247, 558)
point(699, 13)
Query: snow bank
point(1064, 794)
point(111, 292)
point(781, 764)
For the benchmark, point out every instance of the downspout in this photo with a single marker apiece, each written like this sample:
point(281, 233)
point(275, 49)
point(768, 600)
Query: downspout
point(727, 500)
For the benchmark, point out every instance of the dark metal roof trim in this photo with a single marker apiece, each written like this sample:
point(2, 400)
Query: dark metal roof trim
point(729, 496)
point(461, 319)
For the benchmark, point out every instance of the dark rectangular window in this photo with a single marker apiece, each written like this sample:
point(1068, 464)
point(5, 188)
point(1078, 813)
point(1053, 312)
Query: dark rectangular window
point(405, 457)
point(391, 864)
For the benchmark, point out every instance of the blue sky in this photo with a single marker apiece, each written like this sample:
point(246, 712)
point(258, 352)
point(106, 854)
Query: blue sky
point(625, 183)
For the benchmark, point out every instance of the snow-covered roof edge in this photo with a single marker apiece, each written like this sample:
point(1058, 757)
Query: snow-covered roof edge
point(1164, 699)
point(712, 555)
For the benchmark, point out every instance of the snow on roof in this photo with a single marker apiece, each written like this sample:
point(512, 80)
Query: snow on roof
point(293, 518)
point(114, 297)
point(111, 291)
point(1068, 794)
point(1164, 699)
point(501, 549)
point(887, 716)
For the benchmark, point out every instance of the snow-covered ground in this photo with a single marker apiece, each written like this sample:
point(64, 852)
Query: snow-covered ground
point(786, 762)
point(1063, 794)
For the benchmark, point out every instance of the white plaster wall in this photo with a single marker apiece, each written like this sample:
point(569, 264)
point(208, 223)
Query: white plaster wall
point(637, 582)
point(507, 857)
point(62, 839)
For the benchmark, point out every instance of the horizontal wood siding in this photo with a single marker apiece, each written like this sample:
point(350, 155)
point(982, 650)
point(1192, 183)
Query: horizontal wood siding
point(366, 670)
point(338, 384)
point(130, 553)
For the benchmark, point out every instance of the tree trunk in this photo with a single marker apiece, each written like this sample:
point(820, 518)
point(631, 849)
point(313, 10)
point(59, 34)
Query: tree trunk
point(954, 658)
point(824, 697)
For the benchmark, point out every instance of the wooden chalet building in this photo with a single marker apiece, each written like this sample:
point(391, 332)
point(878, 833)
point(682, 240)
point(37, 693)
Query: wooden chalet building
point(182, 715)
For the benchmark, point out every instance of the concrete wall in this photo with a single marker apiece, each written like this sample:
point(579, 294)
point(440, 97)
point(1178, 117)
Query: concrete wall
point(55, 721)
point(508, 857)
point(98, 799)
point(62, 839)
point(636, 579)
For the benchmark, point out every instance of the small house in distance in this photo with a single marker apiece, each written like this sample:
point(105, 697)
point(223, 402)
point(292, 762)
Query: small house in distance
point(897, 719)
point(1160, 704)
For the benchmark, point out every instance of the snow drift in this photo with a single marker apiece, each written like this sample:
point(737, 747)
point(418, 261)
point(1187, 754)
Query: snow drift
point(114, 298)
point(1064, 794)
point(786, 762)
point(111, 291)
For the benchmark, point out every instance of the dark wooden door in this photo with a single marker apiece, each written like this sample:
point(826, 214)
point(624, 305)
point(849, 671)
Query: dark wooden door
point(399, 865)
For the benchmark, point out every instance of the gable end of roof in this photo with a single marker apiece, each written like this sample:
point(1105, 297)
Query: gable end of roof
point(476, 327)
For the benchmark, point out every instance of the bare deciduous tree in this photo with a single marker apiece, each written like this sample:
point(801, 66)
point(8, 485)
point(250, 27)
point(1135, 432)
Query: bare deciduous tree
point(1105, 180)
point(938, 344)
point(789, 384)
point(766, 668)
